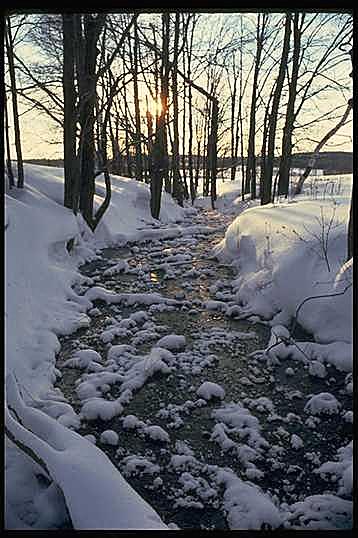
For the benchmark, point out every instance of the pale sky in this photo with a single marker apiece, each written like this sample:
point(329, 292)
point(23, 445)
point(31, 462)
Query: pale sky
point(41, 138)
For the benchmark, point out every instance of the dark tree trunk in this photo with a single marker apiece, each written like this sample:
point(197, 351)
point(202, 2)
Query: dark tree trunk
point(160, 155)
point(190, 125)
point(177, 186)
point(10, 174)
point(267, 186)
point(350, 245)
point(71, 172)
point(212, 151)
point(233, 137)
point(250, 184)
point(286, 156)
point(185, 184)
point(206, 171)
point(150, 141)
point(86, 63)
point(197, 171)
point(15, 113)
point(138, 135)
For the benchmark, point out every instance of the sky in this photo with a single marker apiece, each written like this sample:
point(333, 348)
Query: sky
point(41, 138)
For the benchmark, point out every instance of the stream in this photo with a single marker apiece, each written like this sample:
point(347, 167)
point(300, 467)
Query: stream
point(176, 475)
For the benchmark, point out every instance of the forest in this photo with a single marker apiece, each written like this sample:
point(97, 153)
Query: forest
point(179, 261)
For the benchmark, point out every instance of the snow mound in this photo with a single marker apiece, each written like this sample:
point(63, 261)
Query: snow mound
point(247, 507)
point(324, 403)
point(209, 390)
point(282, 262)
point(173, 342)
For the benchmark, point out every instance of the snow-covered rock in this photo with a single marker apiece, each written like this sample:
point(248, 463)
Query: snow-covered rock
point(323, 403)
point(173, 342)
point(209, 390)
point(109, 437)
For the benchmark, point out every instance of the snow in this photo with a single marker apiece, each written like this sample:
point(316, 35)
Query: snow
point(109, 437)
point(323, 403)
point(281, 262)
point(209, 390)
point(173, 342)
point(156, 433)
point(82, 471)
point(247, 507)
point(40, 304)
point(343, 468)
point(296, 441)
point(321, 512)
point(83, 359)
point(120, 267)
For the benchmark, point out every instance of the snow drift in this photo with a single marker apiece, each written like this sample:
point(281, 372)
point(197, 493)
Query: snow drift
point(287, 253)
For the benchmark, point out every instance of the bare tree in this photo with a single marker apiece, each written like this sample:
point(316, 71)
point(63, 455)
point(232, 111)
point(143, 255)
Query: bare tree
point(9, 171)
point(285, 162)
point(272, 122)
point(319, 146)
point(159, 154)
point(71, 170)
point(251, 159)
point(134, 70)
point(177, 186)
point(15, 114)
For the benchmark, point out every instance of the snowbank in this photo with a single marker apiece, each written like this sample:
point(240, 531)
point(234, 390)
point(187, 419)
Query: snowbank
point(40, 304)
point(288, 252)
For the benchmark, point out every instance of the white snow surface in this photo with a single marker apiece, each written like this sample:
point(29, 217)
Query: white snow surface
point(209, 390)
point(280, 255)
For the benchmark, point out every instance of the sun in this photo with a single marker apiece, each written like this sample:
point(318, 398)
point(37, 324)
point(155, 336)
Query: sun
point(154, 106)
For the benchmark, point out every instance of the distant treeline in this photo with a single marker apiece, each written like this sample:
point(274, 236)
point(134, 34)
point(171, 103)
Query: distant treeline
point(340, 162)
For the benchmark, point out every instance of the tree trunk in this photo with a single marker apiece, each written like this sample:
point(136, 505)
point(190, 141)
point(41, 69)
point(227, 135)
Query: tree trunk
point(233, 138)
point(286, 155)
point(160, 155)
point(177, 187)
point(197, 171)
point(138, 135)
point(10, 174)
point(87, 80)
point(15, 113)
point(212, 151)
point(190, 125)
point(350, 245)
point(267, 186)
point(71, 172)
point(250, 184)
